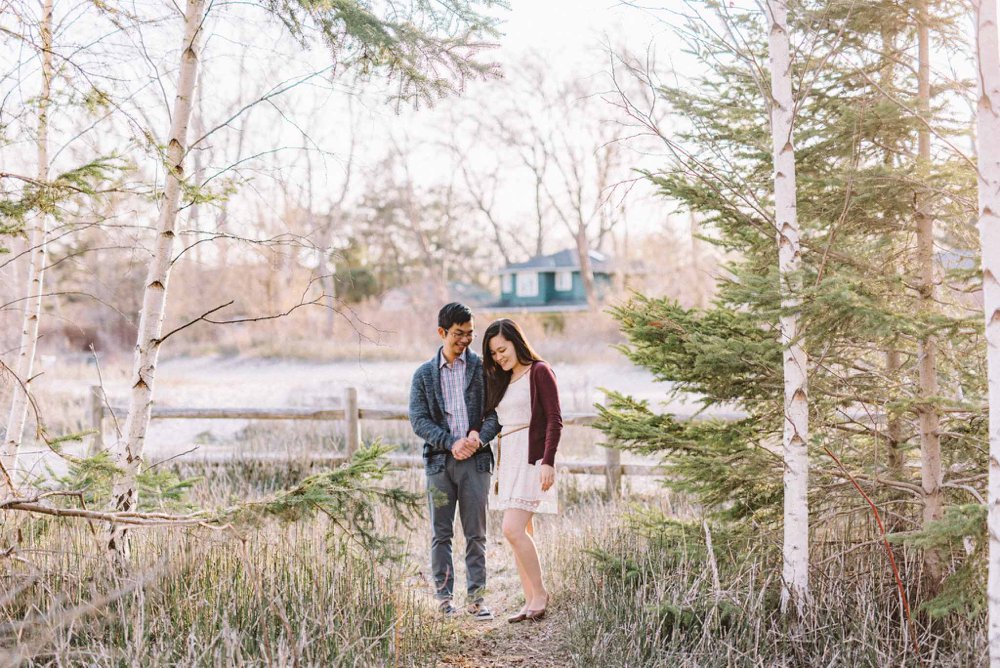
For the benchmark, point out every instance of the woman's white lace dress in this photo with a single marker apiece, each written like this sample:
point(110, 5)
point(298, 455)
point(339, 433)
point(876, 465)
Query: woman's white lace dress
point(516, 482)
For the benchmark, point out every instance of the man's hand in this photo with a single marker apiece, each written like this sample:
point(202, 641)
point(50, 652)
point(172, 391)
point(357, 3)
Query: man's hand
point(466, 447)
point(462, 449)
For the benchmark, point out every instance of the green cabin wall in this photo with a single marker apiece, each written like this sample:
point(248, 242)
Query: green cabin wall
point(547, 293)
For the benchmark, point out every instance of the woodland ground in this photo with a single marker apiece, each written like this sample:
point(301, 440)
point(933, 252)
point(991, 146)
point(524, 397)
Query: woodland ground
point(62, 391)
point(631, 580)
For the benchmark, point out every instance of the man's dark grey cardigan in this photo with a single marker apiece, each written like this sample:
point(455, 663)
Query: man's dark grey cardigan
point(430, 421)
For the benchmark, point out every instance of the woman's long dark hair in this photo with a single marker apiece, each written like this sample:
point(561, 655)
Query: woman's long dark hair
point(496, 378)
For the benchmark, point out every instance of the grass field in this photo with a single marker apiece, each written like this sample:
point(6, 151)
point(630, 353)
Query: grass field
point(632, 581)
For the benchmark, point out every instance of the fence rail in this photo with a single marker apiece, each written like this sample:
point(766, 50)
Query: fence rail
point(352, 414)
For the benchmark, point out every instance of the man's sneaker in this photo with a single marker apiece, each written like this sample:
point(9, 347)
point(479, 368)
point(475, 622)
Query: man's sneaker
point(479, 612)
point(446, 608)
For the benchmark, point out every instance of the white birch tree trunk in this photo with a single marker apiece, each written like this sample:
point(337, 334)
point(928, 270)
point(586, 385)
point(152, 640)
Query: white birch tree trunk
point(128, 455)
point(988, 148)
point(795, 552)
point(36, 268)
point(931, 472)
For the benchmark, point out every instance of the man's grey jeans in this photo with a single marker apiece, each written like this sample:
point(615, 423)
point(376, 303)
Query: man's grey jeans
point(464, 484)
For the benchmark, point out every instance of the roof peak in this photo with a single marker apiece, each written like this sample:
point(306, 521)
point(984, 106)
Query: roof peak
point(563, 259)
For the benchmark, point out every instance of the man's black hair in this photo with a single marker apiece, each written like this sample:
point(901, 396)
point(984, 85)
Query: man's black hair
point(453, 314)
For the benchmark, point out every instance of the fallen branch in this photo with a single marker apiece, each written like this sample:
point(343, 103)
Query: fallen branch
point(112, 517)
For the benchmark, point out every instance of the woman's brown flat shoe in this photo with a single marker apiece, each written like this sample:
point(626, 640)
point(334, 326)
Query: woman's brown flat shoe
point(519, 617)
point(535, 615)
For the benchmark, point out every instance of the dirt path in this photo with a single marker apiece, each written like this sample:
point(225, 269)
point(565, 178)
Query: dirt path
point(499, 643)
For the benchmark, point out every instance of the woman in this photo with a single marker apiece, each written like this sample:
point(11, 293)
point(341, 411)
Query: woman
point(522, 389)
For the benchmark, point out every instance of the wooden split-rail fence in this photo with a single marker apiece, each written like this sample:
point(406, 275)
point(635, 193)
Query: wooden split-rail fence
point(611, 468)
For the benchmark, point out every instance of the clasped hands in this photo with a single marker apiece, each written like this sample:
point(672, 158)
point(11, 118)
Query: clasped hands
point(466, 447)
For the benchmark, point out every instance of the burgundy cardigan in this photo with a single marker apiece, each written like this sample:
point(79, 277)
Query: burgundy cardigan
point(546, 418)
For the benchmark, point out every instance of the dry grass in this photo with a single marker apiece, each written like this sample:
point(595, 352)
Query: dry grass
point(624, 595)
point(272, 594)
point(627, 591)
point(646, 597)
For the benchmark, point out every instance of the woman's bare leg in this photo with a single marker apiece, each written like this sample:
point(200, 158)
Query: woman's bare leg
point(525, 583)
point(515, 524)
point(521, 573)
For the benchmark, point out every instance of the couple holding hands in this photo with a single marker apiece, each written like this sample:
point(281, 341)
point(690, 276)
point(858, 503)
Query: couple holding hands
point(459, 405)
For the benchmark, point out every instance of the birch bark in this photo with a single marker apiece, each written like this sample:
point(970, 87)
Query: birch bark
point(988, 149)
point(931, 474)
point(795, 553)
point(129, 450)
point(37, 239)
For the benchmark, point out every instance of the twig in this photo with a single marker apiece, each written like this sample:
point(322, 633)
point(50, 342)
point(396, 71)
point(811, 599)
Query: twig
point(910, 487)
point(203, 316)
point(104, 395)
point(966, 488)
point(888, 550)
point(172, 458)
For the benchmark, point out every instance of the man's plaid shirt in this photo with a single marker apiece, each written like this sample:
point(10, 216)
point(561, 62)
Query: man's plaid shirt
point(453, 389)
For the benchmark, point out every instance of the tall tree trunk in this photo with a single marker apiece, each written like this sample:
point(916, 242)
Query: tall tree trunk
point(697, 283)
point(36, 267)
point(194, 217)
point(930, 439)
point(894, 425)
point(539, 215)
point(893, 361)
point(586, 270)
point(328, 276)
point(795, 573)
point(988, 145)
point(129, 451)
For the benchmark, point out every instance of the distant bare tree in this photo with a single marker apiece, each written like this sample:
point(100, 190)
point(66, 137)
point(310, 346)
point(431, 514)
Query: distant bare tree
point(582, 196)
point(427, 51)
point(557, 137)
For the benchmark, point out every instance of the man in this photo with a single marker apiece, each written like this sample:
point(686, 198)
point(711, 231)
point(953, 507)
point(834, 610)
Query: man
point(446, 410)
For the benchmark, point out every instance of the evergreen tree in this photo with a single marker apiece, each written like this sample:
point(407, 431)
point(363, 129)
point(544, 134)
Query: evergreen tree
point(858, 177)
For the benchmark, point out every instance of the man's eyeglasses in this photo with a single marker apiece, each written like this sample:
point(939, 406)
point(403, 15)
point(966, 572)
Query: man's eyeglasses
point(459, 334)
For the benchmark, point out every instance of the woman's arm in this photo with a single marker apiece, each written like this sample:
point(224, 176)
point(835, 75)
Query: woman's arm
point(545, 384)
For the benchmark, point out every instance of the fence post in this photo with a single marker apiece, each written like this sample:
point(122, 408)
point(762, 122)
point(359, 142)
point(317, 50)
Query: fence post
point(613, 473)
point(97, 419)
point(353, 420)
point(612, 467)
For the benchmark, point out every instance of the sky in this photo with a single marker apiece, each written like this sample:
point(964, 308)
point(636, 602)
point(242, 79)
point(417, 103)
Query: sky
point(569, 36)
point(569, 31)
